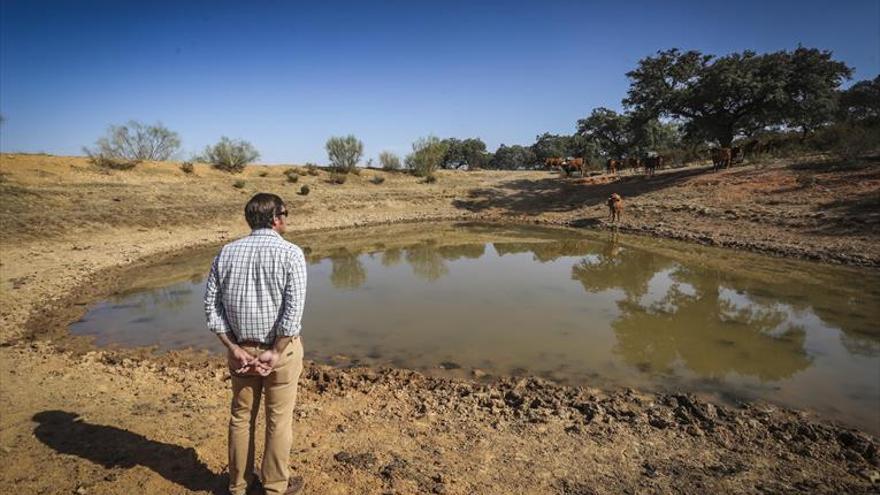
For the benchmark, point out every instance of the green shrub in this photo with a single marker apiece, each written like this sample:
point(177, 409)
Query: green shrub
point(428, 153)
point(344, 152)
point(292, 175)
point(389, 160)
point(238, 184)
point(230, 155)
point(187, 167)
point(304, 190)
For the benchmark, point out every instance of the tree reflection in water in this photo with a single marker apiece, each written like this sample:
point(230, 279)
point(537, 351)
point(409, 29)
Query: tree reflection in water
point(348, 272)
point(672, 316)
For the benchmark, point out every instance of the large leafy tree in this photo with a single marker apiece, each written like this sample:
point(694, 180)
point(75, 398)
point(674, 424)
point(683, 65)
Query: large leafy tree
point(861, 102)
point(551, 146)
point(459, 152)
point(610, 131)
point(736, 94)
point(812, 89)
point(513, 157)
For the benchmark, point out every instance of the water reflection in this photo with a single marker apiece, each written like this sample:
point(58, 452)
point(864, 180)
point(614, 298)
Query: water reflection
point(572, 306)
point(348, 271)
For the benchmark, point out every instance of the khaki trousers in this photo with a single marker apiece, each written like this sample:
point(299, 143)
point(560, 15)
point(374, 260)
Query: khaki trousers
point(280, 390)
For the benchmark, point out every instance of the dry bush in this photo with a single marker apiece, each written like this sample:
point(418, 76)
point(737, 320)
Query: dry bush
point(377, 179)
point(292, 175)
point(304, 190)
point(239, 184)
point(187, 167)
point(114, 163)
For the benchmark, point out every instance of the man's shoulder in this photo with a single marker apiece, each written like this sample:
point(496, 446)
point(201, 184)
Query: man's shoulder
point(263, 242)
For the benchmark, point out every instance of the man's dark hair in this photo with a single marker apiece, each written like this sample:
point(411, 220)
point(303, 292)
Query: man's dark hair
point(262, 209)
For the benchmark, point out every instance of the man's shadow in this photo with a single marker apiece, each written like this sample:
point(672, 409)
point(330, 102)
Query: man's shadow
point(112, 447)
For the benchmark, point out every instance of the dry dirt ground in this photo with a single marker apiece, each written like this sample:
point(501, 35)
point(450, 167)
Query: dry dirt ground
point(81, 420)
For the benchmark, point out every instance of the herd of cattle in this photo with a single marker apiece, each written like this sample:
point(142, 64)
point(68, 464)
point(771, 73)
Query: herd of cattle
point(721, 158)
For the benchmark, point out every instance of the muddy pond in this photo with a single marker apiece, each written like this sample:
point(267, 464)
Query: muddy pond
point(574, 306)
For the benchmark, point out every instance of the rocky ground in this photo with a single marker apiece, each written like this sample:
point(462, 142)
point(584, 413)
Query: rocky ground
point(79, 420)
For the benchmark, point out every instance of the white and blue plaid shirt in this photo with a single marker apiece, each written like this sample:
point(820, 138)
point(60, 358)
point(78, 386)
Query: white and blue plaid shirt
point(257, 288)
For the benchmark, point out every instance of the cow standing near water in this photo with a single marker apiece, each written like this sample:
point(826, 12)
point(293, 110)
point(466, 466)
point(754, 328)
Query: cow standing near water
point(615, 207)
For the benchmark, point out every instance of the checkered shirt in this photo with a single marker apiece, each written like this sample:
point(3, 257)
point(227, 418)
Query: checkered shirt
point(257, 288)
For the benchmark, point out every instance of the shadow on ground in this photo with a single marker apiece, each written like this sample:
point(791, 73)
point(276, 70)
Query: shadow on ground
point(553, 194)
point(111, 447)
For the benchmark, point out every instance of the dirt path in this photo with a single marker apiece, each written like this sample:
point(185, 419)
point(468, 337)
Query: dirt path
point(149, 425)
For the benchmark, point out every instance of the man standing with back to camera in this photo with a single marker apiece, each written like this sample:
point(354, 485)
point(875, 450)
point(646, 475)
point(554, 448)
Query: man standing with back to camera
point(254, 303)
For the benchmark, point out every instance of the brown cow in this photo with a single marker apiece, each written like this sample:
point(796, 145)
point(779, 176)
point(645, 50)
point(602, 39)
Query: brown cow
point(615, 206)
point(611, 166)
point(721, 157)
point(553, 162)
point(574, 164)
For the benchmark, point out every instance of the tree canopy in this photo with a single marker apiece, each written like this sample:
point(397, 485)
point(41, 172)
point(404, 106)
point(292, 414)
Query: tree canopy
point(737, 94)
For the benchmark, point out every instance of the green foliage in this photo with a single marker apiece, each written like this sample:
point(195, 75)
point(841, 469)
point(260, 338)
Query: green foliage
point(389, 160)
point(187, 167)
point(610, 131)
point(126, 145)
point(427, 155)
point(737, 94)
point(861, 102)
point(514, 157)
point(239, 184)
point(344, 152)
point(230, 155)
point(812, 89)
point(470, 152)
point(304, 190)
point(553, 146)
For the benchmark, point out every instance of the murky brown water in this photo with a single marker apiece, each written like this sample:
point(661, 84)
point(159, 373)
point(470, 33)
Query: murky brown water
point(577, 307)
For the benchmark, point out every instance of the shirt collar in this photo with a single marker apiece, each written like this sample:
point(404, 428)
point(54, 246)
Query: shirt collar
point(265, 232)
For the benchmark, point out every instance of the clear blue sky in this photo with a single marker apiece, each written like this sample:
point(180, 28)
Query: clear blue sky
point(287, 75)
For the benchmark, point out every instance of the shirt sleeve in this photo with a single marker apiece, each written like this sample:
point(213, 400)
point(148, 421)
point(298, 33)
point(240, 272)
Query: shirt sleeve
point(290, 321)
point(214, 312)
